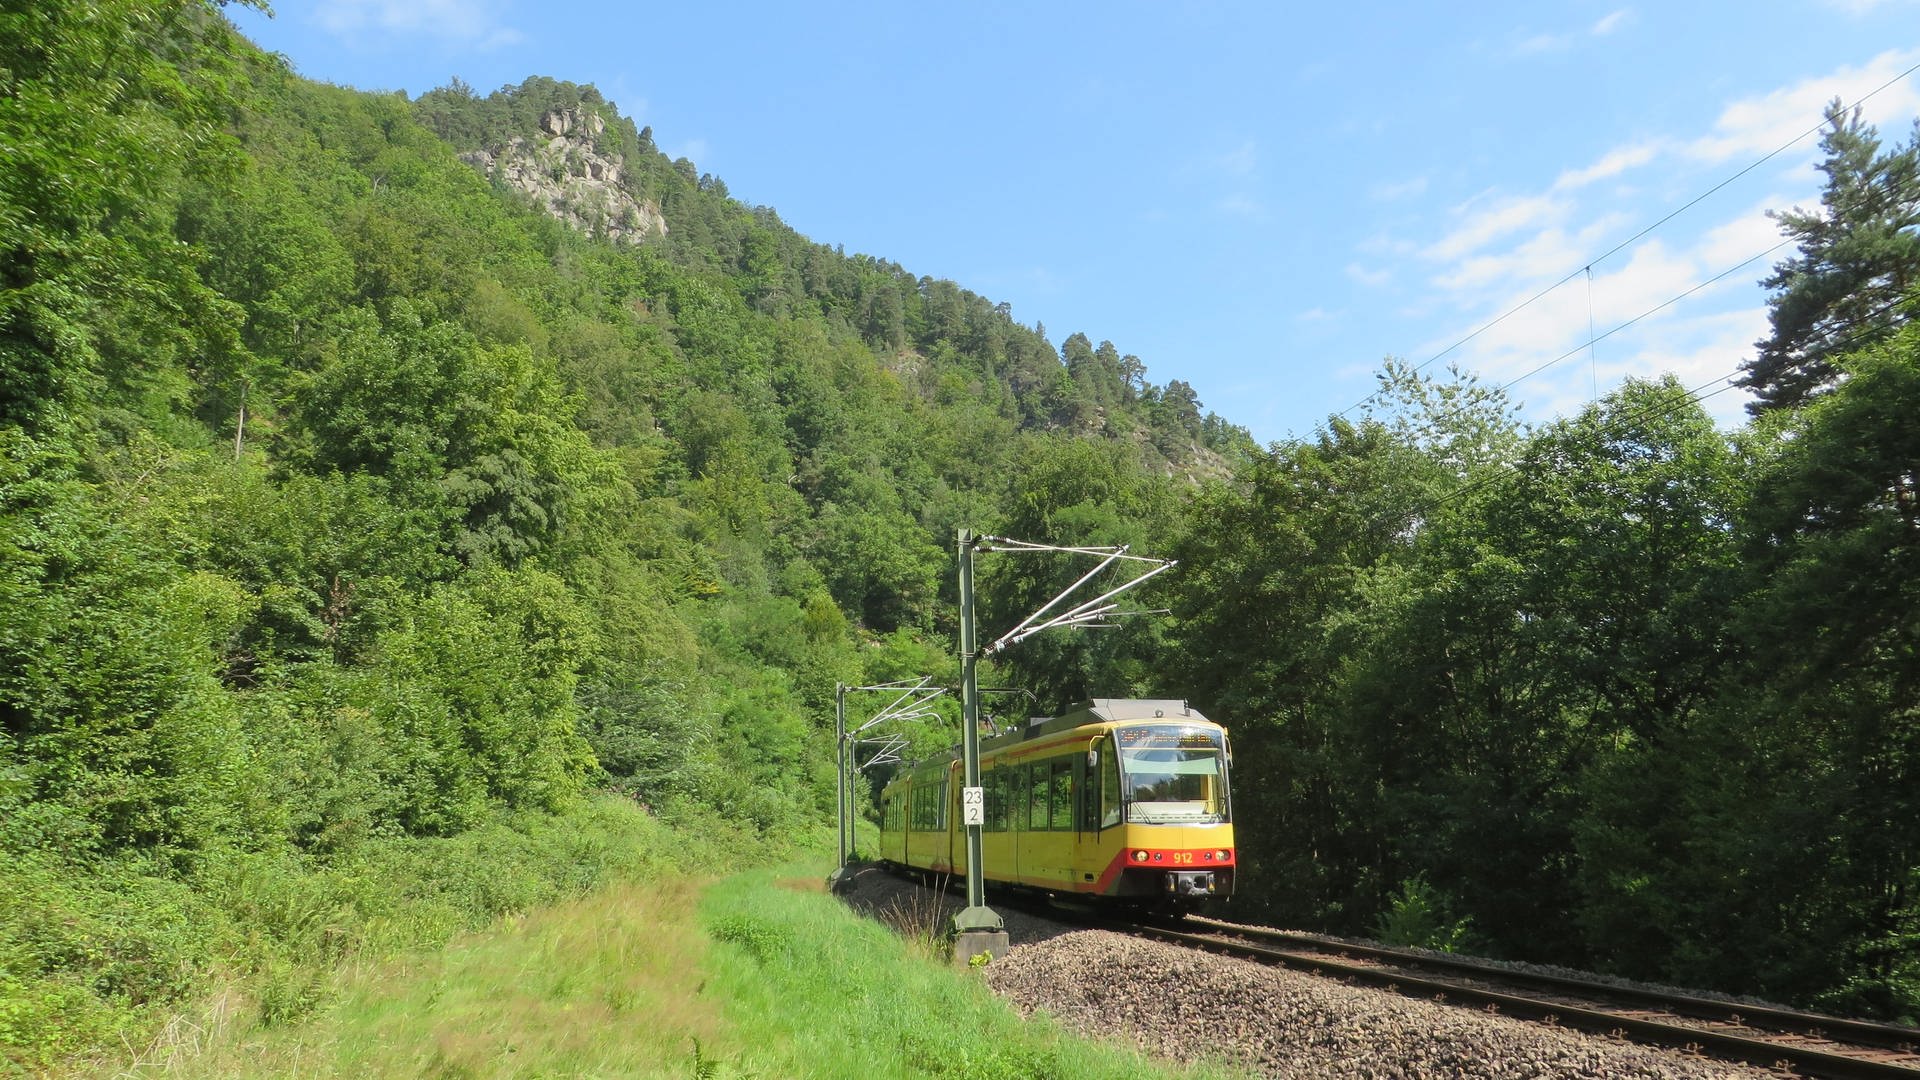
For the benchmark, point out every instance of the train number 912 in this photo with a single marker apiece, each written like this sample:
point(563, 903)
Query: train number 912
point(1182, 856)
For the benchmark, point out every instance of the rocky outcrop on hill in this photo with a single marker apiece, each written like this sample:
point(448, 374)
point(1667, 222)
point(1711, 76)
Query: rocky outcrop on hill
point(563, 172)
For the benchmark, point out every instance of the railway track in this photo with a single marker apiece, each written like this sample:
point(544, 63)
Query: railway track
point(1806, 1043)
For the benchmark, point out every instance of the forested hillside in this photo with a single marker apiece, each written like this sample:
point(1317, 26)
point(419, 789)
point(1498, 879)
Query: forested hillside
point(382, 482)
point(352, 501)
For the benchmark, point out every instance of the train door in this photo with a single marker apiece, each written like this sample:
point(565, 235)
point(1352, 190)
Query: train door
point(956, 831)
point(1013, 789)
point(1098, 809)
point(997, 846)
point(896, 834)
point(1086, 833)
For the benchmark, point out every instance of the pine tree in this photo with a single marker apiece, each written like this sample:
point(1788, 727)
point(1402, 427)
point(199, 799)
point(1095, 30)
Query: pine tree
point(1858, 256)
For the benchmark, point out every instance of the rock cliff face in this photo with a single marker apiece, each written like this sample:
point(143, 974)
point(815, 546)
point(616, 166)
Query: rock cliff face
point(561, 170)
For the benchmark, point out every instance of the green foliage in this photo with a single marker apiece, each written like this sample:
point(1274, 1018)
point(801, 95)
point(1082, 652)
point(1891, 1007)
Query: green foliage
point(118, 734)
point(98, 957)
point(1813, 797)
point(782, 960)
point(348, 507)
point(1418, 915)
point(356, 519)
point(1859, 255)
point(99, 304)
point(1079, 493)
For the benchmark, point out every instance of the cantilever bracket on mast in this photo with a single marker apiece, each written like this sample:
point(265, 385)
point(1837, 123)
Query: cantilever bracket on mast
point(1085, 614)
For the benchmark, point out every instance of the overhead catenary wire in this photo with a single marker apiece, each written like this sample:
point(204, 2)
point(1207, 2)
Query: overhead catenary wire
point(1657, 411)
point(1594, 339)
point(1587, 266)
point(1648, 313)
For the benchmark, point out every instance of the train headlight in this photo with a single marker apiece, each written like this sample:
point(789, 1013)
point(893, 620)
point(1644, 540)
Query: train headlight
point(1223, 855)
point(1156, 856)
point(1139, 856)
point(1206, 856)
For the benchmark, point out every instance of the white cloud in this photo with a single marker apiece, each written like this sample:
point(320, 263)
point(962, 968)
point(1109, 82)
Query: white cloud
point(1242, 160)
point(1626, 322)
point(1405, 189)
point(1611, 22)
point(1742, 237)
point(1242, 206)
point(1658, 303)
point(1482, 227)
point(1543, 43)
point(1612, 164)
point(1548, 254)
point(1862, 7)
point(1761, 125)
point(694, 150)
point(470, 24)
point(1213, 164)
point(1369, 277)
point(1701, 352)
point(1537, 44)
point(1226, 179)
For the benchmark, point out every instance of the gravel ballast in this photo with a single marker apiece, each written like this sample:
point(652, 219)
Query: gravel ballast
point(1185, 1005)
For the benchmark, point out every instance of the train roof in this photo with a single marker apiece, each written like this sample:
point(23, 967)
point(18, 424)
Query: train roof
point(1104, 711)
point(1080, 714)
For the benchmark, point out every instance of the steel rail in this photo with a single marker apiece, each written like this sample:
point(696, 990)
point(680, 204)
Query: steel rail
point(1756, 1051)
point(1793, 1021)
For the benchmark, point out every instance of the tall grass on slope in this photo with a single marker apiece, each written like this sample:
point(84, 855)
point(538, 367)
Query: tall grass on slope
point(121, 961)
point(812, 991)
point(601, 986)
point(755, 979)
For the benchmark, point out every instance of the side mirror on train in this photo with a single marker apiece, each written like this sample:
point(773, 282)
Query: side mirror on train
point(1093, 759)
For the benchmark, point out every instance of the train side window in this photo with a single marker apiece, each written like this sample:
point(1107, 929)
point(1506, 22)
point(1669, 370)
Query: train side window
point(1017, 797)
point(996, 807)
point(1061, 787)
point(1109, 786)
point(924, 809)
point(1037, 778)
point(940, 808)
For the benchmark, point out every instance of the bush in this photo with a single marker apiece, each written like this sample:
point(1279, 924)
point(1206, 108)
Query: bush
point(97, 955)
point(1420, 915)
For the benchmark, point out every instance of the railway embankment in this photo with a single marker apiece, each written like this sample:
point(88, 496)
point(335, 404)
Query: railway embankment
point(668, 974)
point(1184, 1005)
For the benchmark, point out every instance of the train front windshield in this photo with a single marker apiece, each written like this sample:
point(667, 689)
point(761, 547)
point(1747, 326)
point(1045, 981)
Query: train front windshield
point(1174, 774)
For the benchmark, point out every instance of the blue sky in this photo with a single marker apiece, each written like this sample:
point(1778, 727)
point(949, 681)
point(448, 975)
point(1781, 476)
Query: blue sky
point(1263, 200)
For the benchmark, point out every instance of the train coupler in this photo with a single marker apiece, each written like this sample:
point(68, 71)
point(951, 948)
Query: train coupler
point(1182, 883)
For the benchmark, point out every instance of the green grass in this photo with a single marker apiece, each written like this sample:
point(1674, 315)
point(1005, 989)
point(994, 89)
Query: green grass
point(757, 976)
point(103, 963)
point(814, 991)
point(605, 985)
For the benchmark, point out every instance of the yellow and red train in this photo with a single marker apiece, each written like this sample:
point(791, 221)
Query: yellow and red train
point(1120, 798)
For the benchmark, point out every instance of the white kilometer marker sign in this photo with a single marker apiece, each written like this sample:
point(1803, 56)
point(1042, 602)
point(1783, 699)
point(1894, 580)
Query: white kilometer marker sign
point(973, 806)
